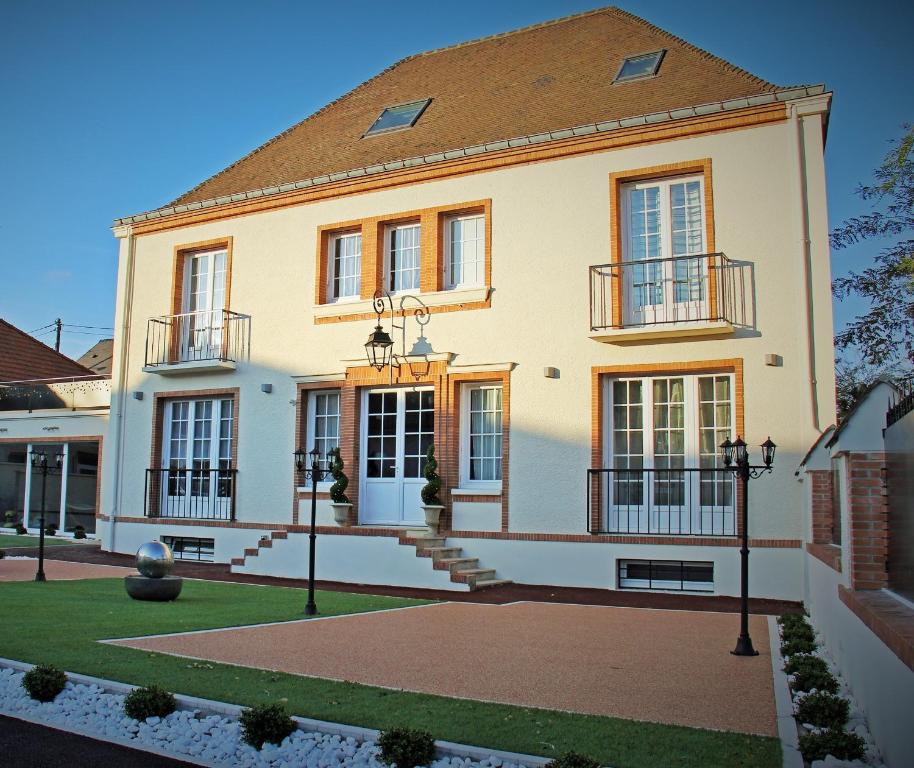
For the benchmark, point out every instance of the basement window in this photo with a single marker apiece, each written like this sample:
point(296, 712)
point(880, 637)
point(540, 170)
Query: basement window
point(186, 548)
point(398, 117)
point(639, 67)
point(675, 575)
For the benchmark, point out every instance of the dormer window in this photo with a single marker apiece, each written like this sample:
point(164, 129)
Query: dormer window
point(639, 67)
point(398, 117)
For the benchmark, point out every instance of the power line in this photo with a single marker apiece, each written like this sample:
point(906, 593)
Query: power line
point(42, 328)
point(94, 327)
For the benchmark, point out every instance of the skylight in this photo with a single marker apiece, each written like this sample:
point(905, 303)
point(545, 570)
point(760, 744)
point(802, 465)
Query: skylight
point(638, 67)
point(399, 116)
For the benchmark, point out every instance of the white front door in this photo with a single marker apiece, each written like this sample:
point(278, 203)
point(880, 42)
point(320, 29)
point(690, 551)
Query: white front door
point(204, 302)
point(398, 425)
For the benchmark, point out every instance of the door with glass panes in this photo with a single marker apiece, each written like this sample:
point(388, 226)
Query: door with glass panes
point(198, 481)
point(203, 322)
point(398, 425)
point(662, 438)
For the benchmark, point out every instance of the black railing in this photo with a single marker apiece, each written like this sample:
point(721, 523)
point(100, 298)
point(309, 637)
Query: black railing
point(72, 393)
point(902, 406)
point(666, 502)
point(196, 336)
point(683, 289)
point(197, 494)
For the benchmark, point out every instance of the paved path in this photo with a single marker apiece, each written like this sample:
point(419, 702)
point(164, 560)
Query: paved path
point(26, 745)
point(57, 570)
point(663, 666)
point(509, 593)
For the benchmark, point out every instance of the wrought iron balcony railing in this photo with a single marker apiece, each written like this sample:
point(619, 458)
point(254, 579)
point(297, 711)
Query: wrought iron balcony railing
point(683, 289)
point(662, 502)
point(219, 335)
point(188, 493)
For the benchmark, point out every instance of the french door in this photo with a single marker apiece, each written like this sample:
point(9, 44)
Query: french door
point(662, 436)
point(398, 425)
point(203, 321)
point(198, 478)
point(663, 226)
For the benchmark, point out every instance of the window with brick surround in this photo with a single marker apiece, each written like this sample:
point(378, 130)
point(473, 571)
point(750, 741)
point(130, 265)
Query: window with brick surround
point(481, 436)
point(465, 250)
point(403, 257)
point(345, 266)
point(323, 430)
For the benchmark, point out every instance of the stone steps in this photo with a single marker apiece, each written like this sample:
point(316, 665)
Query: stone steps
point(462, 569)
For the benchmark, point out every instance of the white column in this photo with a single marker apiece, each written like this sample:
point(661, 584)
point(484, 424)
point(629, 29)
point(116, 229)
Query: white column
point(63, 488)
point(27, 501)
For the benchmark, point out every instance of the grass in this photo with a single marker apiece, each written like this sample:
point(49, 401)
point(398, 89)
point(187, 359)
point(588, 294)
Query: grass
point(60, 622)
point(12, 541)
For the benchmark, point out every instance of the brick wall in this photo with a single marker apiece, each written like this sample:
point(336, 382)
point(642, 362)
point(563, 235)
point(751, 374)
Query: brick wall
point(868, 515)
point(822, 507)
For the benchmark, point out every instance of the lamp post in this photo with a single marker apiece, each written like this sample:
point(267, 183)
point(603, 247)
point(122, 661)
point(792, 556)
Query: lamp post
point(380, 346)
point(314, 473)
point(40, 462)
point(735, 457)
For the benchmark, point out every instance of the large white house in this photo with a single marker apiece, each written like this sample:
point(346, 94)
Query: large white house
point(622, 245)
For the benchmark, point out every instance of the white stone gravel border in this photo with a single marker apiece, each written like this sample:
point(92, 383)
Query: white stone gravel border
point(450, 754)
point(787, 725)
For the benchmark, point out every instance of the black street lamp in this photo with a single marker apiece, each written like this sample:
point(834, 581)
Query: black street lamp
point(314, 473)
point(40, 462)
point(735, 457)
point(380, 346)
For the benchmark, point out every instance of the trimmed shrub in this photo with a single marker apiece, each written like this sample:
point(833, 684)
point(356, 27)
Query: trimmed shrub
point(265, 723)
point(805, 662)
point(798, 632)
point(44, 682)
point(340, 480)
point(839, 744)
point(809, 679)
point(432, 486)
point(405, 747)
point(79, 532)
point(823, 710)
point(792, 647)
point(153, 701)
point(791, 619)
point(574, 760)
point(21, 529)
point(2, 554)
point(50, 529)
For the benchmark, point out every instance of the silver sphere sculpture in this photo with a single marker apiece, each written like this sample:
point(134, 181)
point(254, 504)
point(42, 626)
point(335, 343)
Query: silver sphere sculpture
point(154, 559)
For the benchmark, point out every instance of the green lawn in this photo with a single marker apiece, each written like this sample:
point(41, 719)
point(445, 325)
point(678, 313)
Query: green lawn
point(9, 542)
point(59, 622)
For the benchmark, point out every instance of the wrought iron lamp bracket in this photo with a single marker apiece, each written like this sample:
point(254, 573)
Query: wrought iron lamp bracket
point(384, 302)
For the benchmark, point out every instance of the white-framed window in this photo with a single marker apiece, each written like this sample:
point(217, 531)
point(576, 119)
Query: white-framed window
point(402, 257)
point(345, 266)
point(481, 436)
point(465, 251)
point(323, 424)
point(663, 223)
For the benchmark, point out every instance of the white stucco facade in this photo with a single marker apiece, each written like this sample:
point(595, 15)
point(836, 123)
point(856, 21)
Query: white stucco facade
point(549, 224)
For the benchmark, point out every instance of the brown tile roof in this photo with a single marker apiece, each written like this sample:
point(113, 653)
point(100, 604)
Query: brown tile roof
point(23, 357)
point(98, 358)
point(547, 77)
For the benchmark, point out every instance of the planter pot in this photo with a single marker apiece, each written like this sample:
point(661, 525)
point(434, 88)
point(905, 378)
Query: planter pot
point(341, 513)
point(432, 517)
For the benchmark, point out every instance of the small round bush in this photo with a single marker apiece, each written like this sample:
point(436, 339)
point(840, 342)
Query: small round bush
point(44, 682)
point(50, 529)
point(791, 647)
point(795, 632)
point(791, 619)
point(839, 744)
point(79, 532)
point(153, 701)
point(265, 723)
point(823, 710)
point(2, 553)
point(574, 760)
point(406, 748)
point(809, 679)
point(21, 529)
point(805, 662)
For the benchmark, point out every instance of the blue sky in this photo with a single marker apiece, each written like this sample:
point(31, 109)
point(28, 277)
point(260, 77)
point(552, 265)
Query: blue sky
point(112, 108)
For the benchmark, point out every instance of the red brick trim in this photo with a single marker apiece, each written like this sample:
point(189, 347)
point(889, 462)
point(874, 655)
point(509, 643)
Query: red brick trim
point(827, 553)
point(868, 515)
point(821, 488)
point(470, 498)
point(889, 619)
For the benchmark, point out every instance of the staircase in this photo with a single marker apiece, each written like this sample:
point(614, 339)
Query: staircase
point(463, 570)
point(264, 543)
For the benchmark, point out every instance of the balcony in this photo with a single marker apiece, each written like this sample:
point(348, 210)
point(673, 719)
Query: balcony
point(661, 502)
point(190, 493)
point(74, 393)
point(197, 342)
point(697, 295)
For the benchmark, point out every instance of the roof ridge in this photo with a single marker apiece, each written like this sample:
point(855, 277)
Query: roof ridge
point(33, 340)
point(700, 51)
point(291, 128)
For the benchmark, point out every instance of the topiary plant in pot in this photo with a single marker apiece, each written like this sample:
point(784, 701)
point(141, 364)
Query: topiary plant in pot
point(79, 532)
point(338, 498)
point(431, 503)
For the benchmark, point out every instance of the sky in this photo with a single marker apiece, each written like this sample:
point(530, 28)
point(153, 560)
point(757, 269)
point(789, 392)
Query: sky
point(114, 108)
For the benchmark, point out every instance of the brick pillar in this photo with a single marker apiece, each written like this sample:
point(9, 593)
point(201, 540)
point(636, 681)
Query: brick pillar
point(822, 507)
point(868, 535)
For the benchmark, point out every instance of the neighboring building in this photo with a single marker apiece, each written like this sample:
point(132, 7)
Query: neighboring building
point(622, 243)
point(52, 404)
point(98, 359)
point(859, 574)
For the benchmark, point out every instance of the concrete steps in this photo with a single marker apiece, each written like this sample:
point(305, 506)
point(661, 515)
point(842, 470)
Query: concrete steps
point(266, 542)
point(462, 569)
